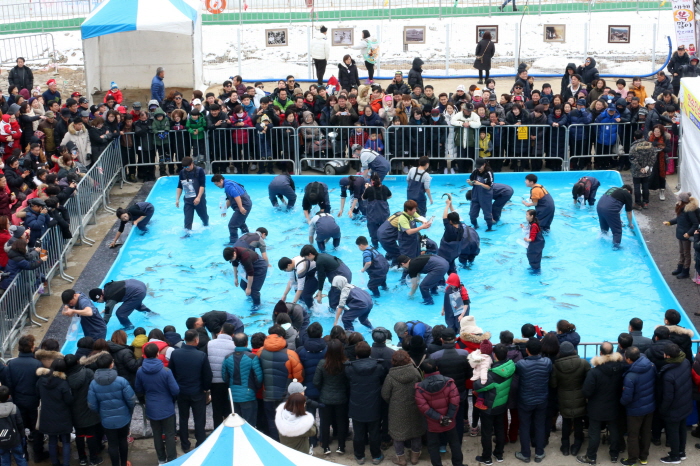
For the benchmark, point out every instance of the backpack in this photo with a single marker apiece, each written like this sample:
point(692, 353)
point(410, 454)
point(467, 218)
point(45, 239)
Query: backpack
point(9, 436)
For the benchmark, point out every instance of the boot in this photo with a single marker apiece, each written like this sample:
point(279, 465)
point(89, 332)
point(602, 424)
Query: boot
point(415, 456)
point(400, 460)
point(662, 194)
point(684, 274)
point(678, 270)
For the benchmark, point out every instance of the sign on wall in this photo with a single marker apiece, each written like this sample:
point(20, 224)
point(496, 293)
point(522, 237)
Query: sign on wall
point(684, 21)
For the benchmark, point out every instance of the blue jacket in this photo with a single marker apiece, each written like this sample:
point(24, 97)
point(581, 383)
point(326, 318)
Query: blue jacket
point(158, 89)
point(533, 373)
point(572, 337)
point(191, 370)
point(18, 262)
point(310, 355)
point(158, 384)
point(37, 223)
point(112, 397)
point(607, 134)
point(638, 386)
point(579, 117)
point(675, 389)
point(243, 374)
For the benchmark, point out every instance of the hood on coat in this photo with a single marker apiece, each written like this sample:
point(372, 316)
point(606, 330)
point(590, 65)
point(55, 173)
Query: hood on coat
point(677, 360)
point(44, 372)
point(73, 131)
point(158, 111)
point(600, 360)
point(472, 338)
point(274, 343)
point(570, 66)
point(364, 366)
point(405, 374)
point(105, 376)
point(315, 345)
point(152, 102)
point(641, 365)
point(504, 369)
point(678, 329)
point(152, 365)
point(434, 382)
point(341, 282)
point(87, 360)
point(690, 207)
point(621, 103)
point(592, 64)
point(44, 355)
point(7, 409)
point(568, 364)
point(342, 63)
point(290, 425)
point(417, 63)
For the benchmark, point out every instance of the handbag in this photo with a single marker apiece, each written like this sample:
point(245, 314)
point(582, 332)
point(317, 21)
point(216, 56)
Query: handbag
point(481, 57)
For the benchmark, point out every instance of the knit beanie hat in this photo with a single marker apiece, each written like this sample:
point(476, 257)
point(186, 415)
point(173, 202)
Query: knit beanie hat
point(567, 349)
point(486, 347)
point(113, 85)
point(295, 387)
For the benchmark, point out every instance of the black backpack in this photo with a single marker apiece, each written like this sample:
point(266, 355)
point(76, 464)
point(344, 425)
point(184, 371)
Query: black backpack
point(9, 437)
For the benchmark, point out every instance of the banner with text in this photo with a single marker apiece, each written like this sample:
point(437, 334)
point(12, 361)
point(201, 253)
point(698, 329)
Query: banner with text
point(684, 21)
point(690, 140)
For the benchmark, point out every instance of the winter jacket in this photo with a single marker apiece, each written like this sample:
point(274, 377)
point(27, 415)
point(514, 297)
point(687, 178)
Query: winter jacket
point(320, 48)
point(9, 409)
point(81, 139)
point(579, 117)
point(22, 77)
point(674, 391)
point(572, 337)
point(398, 88)
point(399, 390)
point(79, 379)
point(607, 133)
point(640, 341)
point(157, 383)
point(566, 79)
point(333, 389)
point(655, 353)
point(437, 396)
point(217, 351)
point(568, 375)
point(294, 431)
point(682, 337)
point(347, 75)
point(343, 120)
point(686, 223)
point(381, 352)
point(588, 72)
point(56, 400)
point(160, 128)
point(465, 137)
point(241, 371)
point(125, 362)
point(21, 378)
point(497, 388)
point(112, 397)
point(89, 361)
point(603, 386)
point(660, 87)
point(372, 120)
point(365, 379)
point(157, 89)
point(279, 366)
point(486, 50)
point(533, 373)
point(675, 65)
point(310, 354)
point(18, 262)
point(199, 125)
point(191, 370)
point(453, 363)
point(5, 235)
point(642, 154)
point(38, 223)
point(695, 373)
point(415, 75)
point(638, 386)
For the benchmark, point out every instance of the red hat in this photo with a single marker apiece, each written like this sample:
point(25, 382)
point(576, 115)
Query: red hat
point(518, 97)
point(121, 109)
point(76, 95)
point(486, 347)
point(50, 82)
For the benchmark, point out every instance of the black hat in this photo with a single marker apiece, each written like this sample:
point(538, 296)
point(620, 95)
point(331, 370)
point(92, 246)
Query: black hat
point(65, 112)
point(468, 106)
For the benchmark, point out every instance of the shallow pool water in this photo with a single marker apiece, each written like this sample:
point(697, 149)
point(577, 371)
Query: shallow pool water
point(583, 280)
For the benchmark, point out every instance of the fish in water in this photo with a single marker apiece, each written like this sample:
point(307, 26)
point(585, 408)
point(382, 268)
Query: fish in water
point(510, 297)
point(548, 257)
point(150, 269)
point(190, 300)
point(331, 190)
point(290, 230)
point(568, 304)
point(543, 283)
point(297, 245)
point(551, 298)
point(558, 269)
point(573, 294)
point(257, 313)
point(200, 288)
point(501, 261)
point(526, 293)
point(186, 271)
point(170, 254)
point(488, 287)
point(207, 298)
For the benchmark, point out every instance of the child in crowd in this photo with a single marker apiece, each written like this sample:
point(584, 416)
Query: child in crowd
point(140, 339)
point(456, 304)
point(12, 430)
point(374, 143)
point(481, 361)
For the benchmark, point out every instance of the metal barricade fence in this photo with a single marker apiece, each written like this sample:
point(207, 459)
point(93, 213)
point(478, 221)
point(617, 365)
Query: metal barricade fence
point(141, 153)
point(525, 147)
point(236, 149)
point(406, 143)
point(317, 145)
point(599, 143)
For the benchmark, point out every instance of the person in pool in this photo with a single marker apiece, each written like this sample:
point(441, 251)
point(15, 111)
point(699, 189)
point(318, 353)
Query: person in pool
point(139, 214)
point(541, 200)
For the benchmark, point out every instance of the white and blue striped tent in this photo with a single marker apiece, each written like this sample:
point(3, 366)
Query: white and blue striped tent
point(126, 40)
point(236, 443)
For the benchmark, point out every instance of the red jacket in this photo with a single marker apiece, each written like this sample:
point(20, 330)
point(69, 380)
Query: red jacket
point(117, 96)
point(4, 236)
point(437, 396)
point(162, 349)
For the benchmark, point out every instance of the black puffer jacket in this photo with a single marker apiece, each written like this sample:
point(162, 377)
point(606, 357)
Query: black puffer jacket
point(674, 390)
point(655, 353)
point(567, 378)
point(56, 400)
point(125, 362)
point(415, 74)
point(365, 377)
point(347, 75)
point(687, 221)
point(682, 337)
point(453, 363)
point(603, 386)
point(333, 388)
point(566, 79)
point(79, 378)
point(588, 72)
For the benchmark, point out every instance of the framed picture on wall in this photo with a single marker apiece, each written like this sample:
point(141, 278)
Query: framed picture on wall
point(413, 35)
point(342, 37)
point(619, 34)
point(276, 37)
point(555, 33)
point(480, 30)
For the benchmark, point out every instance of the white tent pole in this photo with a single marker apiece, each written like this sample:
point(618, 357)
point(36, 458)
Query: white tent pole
point(230, 398)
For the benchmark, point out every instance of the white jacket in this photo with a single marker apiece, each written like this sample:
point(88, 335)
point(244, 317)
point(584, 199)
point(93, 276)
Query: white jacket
point(321, 47)
point(458, 119)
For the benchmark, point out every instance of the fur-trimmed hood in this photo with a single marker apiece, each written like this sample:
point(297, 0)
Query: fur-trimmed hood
point(692, 205)
point(47, 357)
point(677, 328)
point(290, 425)
point(520, 341)
point(42, 371)
point(87, 360)
point(470, 337)
point(600, 360)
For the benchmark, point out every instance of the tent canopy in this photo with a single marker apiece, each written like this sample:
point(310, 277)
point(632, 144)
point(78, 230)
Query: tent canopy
point(236, 443)
point(125, 41)
point(113, 16)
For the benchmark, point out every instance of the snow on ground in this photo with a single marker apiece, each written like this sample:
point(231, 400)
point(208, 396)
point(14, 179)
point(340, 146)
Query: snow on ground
point(455, 37)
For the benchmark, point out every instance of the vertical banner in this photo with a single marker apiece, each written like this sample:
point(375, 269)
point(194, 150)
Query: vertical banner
point(690, 142)
point(684, 21)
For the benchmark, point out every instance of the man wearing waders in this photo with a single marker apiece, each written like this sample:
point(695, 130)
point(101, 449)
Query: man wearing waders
point(609, 208)
point(236, 198)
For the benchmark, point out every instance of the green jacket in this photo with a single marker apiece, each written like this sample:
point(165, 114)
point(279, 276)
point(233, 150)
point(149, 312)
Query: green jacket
point(495, 390)
point(200, 124)
point(160, 128)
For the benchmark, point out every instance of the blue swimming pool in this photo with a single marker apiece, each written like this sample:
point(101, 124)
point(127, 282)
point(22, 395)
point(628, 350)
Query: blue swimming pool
point(583, 280)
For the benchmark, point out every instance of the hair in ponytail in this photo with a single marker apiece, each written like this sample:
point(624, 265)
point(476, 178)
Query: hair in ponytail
point(533, 213)
point(376, 181)
point(564, 326)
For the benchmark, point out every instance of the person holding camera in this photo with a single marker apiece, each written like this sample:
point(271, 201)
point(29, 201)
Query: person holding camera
point(37, 220)
point(438, 399)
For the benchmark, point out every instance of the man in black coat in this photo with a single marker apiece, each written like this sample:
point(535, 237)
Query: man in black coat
point(679, 59)
point(675, 400)
point(193, 375)
point(365, 378)
point(21, 378)
point(655, 353)
point(214, 320)
point(679, 335)
point(638, 340)
point(21, 76)
point(453, 363)
point(381, 352)
point(603, 388)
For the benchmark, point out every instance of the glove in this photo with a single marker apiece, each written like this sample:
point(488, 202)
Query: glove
point(445, 421)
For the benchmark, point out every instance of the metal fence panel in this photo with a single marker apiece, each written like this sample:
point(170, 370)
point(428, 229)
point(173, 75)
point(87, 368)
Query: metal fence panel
point(318, 145)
